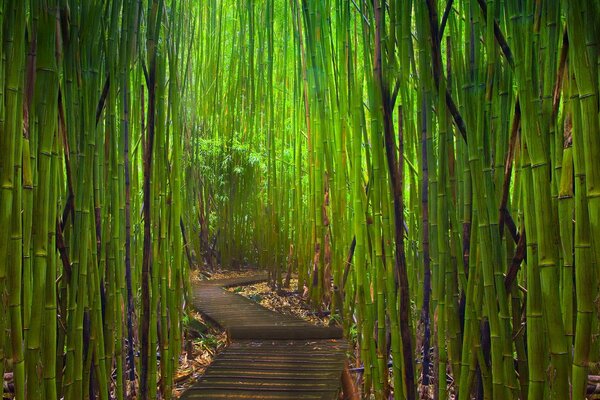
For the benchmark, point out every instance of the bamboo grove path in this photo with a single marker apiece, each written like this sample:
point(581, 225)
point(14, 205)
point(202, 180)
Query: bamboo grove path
point(271, 355)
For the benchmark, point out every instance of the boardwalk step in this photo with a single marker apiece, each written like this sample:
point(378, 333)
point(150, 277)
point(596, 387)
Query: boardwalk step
point(284, 332)
point(236, 394)
point(271, 355)
point(274, 374)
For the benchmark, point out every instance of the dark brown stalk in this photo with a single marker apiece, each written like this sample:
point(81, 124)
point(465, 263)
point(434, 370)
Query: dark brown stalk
point(350, 391)
point(186, 245)
point(445, 17)
point(69, 209)
point(127, 167)
point(511, 226)
point(348, 263)
point(351, 252)
point(69, 205)
point(397, 184)
point(498, 35)
point(425, 318)
point(437, 69)
point(146, 261)
point(102, 100)
point(208, 258)
point(401, 273)
point(520, 253)
point(466, 246)
point(62, 250)
point(505, 217)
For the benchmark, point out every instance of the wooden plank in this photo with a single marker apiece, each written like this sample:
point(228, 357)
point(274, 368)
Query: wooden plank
point(286, 345)
point(269, 384)
point(294, 387)
point(235, 394)
point(284, 332)
point(230, 372)
point(239, 281)
point(283, 366)
point(278, 356)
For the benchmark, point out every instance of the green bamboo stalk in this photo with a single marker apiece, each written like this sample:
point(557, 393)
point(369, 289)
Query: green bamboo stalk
point(46, 83)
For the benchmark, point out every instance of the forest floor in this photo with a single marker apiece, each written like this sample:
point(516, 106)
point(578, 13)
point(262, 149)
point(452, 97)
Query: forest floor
point(284, 301)
point(198, 354)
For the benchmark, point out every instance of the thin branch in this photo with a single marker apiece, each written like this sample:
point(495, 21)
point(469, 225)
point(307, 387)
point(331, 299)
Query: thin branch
point(499, 36)
point(102, 100)
point(437, 69)
point(445, 18)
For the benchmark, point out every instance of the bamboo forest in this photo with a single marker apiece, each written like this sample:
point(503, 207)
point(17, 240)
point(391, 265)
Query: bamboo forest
point(420, 177)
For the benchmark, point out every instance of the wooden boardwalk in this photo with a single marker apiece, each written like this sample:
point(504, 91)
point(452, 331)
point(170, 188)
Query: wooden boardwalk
point(271, 356)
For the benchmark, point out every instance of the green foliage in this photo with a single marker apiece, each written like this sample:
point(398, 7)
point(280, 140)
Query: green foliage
point(75, 108)
point(434, 136)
